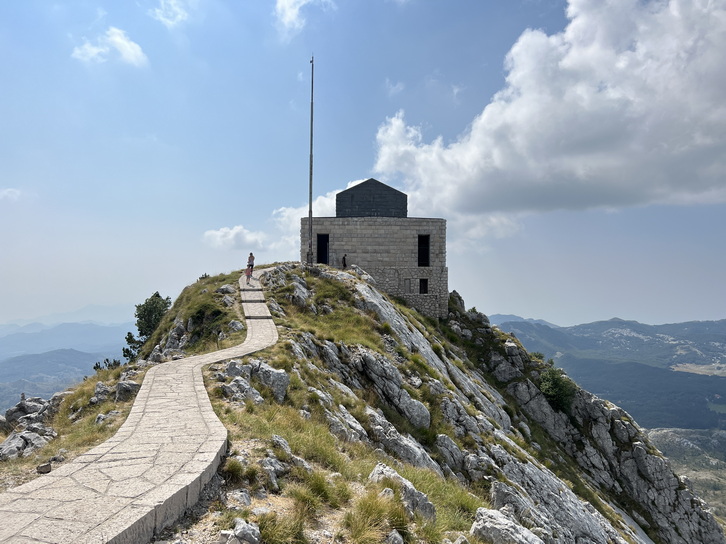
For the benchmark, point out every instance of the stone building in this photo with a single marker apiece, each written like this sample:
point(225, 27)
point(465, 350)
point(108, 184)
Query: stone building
point(405, 255)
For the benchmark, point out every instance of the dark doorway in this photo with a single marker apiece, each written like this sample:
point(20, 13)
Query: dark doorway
point(323, 243)
point(424, 250)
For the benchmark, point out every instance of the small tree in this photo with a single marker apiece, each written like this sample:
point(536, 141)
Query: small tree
point(148, 316)
point(558, 388)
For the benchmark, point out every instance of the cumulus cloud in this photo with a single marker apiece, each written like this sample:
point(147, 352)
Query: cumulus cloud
point(171, 13)
point(625, 107)
point(113, 41)
point(236, 237)
point(288, 14)
point(10, 194)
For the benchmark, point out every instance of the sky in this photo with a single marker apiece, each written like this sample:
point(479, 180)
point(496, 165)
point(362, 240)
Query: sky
point(576, 148)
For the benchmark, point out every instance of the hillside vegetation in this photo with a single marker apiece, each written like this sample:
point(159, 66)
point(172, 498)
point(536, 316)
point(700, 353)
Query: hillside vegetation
point(369, 423)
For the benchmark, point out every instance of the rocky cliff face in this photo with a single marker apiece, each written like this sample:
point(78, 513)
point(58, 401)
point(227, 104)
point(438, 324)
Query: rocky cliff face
point(471, 407)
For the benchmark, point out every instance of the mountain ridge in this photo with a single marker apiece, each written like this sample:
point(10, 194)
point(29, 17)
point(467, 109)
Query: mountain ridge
point(540, 459)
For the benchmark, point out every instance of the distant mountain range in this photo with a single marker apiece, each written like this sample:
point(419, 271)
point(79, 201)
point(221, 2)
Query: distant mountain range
point(633, 365)
point(39, 360)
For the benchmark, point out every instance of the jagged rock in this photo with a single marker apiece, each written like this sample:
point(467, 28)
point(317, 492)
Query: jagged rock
point(413, 500)
point(450, 452)
point(274, 468)
point(457, 301)
point(247, 533)
point(533, 504)
point(100, 393)
point(388, 383)
point(236, 326)
point(155, 355)
point(174, 339)
point(226, 289)
point(228, 301)
point(277, 380)
point(240, 390)
point(404, 448)
point(235, 368)
point(503, 370)
point(242, 496)
point(21, 443)
point(300, 295)
point(45, 468)
point(275, 308)
point(126, 390)
point(493, 526)
point(26, 406)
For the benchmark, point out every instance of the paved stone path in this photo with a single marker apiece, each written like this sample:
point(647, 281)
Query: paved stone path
point(153, 469)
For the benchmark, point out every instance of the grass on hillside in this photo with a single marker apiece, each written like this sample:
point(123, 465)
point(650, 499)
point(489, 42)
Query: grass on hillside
point(76, 435)
point(80, 433)
point(200, 303)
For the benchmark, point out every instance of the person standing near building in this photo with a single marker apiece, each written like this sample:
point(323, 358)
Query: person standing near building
point(345, 261)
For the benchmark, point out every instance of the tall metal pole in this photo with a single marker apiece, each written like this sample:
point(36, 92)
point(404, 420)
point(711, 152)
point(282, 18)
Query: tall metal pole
point(310, 196)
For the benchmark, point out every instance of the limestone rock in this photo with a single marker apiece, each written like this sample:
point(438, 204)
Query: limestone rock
point(240, 390)
point(30, 405)
point(227, 289)
point(247, 533)
point(126, 390)
point(236, 326)
point(403, 447)
point(493, 526)
point(277, 380)
point(414, 501)
point(100, 393)
point(21, 444)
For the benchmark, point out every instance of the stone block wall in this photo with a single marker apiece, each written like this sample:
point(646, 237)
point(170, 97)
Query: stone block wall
point(387, 248)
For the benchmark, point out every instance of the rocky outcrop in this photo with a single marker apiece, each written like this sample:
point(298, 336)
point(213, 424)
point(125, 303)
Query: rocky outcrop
point(413, 500)
point(490, 407)
point(255, 370)
point(28, 423)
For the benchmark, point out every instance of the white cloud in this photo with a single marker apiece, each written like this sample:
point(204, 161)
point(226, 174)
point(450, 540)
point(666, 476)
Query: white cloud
point(114, 40)
point(170, 13)
point(9, 194)
point(288, 14)
point(236, 237)
point(394, 88)
point(625, 107)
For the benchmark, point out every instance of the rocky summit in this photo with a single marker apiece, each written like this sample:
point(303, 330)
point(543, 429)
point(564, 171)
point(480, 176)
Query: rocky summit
point(555, 470)
point(450, 422)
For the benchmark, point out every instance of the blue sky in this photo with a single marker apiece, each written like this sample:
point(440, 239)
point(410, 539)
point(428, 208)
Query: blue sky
point(577, 149)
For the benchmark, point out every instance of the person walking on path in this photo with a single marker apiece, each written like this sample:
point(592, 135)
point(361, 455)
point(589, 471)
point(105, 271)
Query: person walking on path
point(248, 273)
point(251, 262)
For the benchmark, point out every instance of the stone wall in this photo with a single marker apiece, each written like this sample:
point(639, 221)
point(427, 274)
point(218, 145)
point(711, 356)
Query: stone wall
point(387, 248)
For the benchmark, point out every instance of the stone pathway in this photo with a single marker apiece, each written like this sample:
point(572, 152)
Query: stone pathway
point(153, 469)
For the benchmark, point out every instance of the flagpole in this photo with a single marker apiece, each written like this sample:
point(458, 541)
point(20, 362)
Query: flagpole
point(310, 195)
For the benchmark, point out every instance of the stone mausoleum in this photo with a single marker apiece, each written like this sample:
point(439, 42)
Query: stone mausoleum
point(405, 255)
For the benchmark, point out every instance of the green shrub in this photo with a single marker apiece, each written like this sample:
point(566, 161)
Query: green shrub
point(558, 388)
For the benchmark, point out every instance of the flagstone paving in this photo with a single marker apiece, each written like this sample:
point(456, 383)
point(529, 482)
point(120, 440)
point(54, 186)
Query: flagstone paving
point(153, 469)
